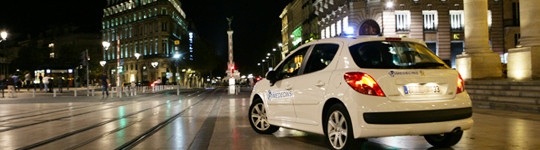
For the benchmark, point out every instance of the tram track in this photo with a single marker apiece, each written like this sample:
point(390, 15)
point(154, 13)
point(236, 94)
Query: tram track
point(56, 138)
point(68, 109)
point(8, 128)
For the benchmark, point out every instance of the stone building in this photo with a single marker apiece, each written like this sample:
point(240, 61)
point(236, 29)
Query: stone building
point(438, 22)
point(153, 29)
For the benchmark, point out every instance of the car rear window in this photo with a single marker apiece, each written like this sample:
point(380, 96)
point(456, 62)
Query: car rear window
point(395, 55)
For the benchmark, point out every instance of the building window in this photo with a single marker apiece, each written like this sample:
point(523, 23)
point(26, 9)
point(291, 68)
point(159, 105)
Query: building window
point(323, 34)
point(339, 27)
point(333, 30)
point(515, 13)
point(430, 20)
point(327, 32)
point(489, 18)
point(456, 19)
point(156, 48)
point(403, 20)
point(346, 22)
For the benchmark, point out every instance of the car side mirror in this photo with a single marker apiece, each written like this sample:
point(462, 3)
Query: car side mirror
point(272, 76)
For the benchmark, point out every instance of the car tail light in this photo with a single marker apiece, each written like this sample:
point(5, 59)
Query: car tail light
point(363, 83)
point(393, 39)
point(460, 84)
point(152, 85)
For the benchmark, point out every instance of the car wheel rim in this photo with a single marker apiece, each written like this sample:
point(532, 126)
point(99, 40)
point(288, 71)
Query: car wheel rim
point(258, 117)
point(337, 130)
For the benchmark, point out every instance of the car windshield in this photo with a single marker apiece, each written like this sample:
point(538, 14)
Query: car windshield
point(395, 55)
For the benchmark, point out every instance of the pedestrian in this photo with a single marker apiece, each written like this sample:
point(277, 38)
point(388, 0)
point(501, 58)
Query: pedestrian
point(104, 85)
point(51, 84)
point(46, 82)
point(15, 81)
point(41, 82)
point(60, 83)
point(27, 80)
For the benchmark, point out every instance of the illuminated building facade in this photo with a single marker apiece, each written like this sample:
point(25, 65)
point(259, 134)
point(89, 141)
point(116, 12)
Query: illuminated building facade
point(438, 22)
point(155, 29)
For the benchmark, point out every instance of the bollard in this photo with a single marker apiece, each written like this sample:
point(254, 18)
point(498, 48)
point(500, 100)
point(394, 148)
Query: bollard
point(75, 93)
point(87, 92)
point(177, 91)
point(143, 89)
point(126, 90)
point(93, 92)
point(54, 93)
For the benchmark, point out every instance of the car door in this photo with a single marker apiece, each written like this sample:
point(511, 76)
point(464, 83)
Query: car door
point(313, 81)
point(279, 96)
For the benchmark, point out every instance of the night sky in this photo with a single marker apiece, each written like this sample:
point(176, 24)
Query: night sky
point(256, 23)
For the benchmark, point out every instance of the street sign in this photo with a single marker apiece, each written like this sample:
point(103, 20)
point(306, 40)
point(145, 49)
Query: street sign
point(121, 62)
point(176, 42)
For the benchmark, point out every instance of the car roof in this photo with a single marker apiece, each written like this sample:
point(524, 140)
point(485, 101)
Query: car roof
point(361, 39)
point(347, 41)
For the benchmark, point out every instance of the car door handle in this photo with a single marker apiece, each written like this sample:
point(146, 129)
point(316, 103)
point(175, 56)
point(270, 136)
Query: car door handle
point(319, 83)
point(288, 86)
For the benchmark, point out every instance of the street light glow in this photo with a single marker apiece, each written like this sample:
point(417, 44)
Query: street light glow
point(389, 4)
point(280, 45)
point(154, 64)
point(268, 54)
point(274, 50)
point(137, 55)
point(4, 35)
point(176, 55)
point(102, 63)
point(106, 45)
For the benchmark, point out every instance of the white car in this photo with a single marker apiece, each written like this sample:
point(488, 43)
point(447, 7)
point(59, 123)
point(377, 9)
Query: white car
point(353, 88)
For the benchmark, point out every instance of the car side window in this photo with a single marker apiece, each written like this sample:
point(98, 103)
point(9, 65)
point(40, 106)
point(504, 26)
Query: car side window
point(291, 65)
point(320, 57)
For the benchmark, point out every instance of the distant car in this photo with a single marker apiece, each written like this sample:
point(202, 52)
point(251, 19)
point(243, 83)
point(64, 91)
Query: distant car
point(143, 83)
point(351, 88)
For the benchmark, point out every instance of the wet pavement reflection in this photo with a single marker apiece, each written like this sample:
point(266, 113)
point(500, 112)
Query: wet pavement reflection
point(212, 119)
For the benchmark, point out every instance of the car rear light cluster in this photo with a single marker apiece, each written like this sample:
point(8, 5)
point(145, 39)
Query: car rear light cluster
point(460, 84)
point(363, 83)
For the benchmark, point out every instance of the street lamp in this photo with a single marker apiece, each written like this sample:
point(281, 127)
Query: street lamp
point(176, 57)
point(137, 55)
point(102, 63)
point(154, 64)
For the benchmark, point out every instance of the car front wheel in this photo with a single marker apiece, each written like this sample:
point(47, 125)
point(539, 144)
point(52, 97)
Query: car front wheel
point(444, 140)
point(259, 120)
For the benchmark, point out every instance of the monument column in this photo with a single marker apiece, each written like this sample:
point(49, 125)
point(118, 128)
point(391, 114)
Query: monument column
point(477, 60)
point(523, 61)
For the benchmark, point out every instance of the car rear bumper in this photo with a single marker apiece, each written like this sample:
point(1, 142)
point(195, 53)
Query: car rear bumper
point(379, 130)
point(406, 117)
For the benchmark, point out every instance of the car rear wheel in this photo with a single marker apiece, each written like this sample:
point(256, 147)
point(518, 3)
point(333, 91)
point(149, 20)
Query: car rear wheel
point(259, 120)
point(444, 140)
point(339, 128)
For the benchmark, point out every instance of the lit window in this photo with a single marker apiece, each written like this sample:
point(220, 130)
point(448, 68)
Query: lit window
point(430, 20)
point(156, 48)
point(489, 18)
point(322, 34)
point(345, 22)
point(333, 30)
point(327, 32)
point(456, 19)
point(339, 27)
point(403, 20)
